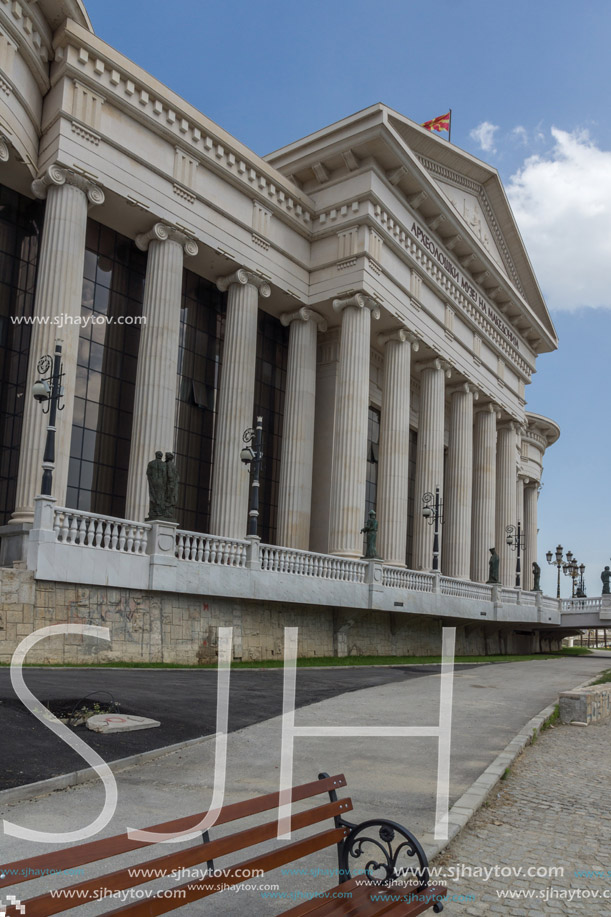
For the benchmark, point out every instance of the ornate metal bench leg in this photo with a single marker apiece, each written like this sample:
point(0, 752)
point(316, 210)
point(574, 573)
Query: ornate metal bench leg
point(438, 908)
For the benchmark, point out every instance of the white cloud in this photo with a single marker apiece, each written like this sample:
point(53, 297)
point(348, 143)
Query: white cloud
point(484, 134)
point(520, 134)
point(562, 203)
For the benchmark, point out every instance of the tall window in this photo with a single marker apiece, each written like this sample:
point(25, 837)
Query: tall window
point(202, 325)
point(414, 501)
point(373, 445)
point(270, 384)
point(113, 287)
point(20, 227)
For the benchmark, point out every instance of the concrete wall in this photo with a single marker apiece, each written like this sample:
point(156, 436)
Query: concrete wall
point(148, 626)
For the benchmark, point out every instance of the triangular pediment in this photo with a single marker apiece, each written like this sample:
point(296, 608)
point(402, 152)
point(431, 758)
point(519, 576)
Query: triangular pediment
point(468, 207)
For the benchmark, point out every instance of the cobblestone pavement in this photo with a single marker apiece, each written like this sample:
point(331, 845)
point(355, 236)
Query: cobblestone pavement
point(552, 810)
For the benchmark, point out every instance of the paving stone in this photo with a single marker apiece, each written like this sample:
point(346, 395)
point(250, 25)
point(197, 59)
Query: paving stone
point(549, 812)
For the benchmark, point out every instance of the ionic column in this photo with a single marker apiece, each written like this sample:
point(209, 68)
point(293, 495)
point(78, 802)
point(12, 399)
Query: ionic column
point(58, 296)
point(531, 495)
point(483, 525)
point(459, 484)
point(154, 416)
point(349, 466)
point(230, 480)
point(506, 490)
point(295, 489)
point(393, 467)
point(429, 456)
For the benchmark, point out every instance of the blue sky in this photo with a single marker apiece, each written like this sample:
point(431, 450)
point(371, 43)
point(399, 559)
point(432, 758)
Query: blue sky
point(528, 83)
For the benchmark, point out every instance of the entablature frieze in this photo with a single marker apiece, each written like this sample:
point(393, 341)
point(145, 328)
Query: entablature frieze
point(79, 55)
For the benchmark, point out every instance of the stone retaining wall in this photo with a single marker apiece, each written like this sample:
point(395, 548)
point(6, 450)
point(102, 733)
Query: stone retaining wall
point(586, 705)
point(150, 626)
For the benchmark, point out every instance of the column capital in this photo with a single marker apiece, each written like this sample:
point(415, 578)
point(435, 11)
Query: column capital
point(464, 388)
point(437, 363)
point(58, 176)
point(361, 301)
point(489, 407)
point(399, 334)
point(163, 232)
point(511, 423)
point(304, 314)
point(243, 276)
point(4, 149)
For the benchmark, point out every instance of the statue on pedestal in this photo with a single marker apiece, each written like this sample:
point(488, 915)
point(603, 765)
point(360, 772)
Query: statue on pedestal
point(163, 482)
point(371, 530)
point(605, 577)
point(156, 477)
point(536, 577)
point(493, 567)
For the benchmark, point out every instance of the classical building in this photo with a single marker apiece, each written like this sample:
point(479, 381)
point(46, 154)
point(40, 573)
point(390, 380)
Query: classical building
point(364, 290)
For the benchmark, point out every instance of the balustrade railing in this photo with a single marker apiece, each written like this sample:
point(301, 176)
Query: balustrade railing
point(465, 589)
point(528, 598)
point(92, 530)
point(583, 605)
point(412, 580)
point(304, 563)
point(509, 596)
point(211, 549)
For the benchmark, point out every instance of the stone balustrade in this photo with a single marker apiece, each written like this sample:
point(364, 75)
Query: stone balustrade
point(211, 549)
point(305, 563)
point(72, 546)
point(105, 532)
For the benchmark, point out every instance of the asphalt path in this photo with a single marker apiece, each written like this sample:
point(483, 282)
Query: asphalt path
point(183, 700)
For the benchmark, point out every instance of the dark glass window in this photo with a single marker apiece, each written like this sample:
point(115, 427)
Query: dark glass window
point(270, 384)
point(373, 445)
point(113, 288)
point(20, 227)
point(413, 499)
point(202, 325)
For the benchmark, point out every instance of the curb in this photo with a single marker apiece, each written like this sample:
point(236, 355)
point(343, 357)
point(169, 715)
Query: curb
point(470, 802)
point(29, 791)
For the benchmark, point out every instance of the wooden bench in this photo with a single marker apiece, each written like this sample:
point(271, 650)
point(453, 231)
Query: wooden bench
point(382, 868)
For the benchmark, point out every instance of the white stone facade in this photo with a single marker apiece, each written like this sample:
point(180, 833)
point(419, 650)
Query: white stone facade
point(391, 255)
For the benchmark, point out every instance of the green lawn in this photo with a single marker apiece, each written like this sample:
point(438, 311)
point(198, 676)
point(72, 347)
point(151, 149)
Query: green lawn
point(327, 661)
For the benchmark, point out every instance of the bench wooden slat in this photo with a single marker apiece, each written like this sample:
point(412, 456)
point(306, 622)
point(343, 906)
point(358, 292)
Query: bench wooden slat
point(360, 901)
point(47, 904)
point(69, 857)
point(267, 861)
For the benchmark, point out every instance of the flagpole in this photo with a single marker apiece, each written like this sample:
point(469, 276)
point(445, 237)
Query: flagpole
point(450, 128)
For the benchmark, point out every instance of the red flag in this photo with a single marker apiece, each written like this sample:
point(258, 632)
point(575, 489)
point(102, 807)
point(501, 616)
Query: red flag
point(441, 123)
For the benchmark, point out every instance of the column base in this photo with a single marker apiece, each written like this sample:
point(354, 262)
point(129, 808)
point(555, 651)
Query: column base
point(14, 541)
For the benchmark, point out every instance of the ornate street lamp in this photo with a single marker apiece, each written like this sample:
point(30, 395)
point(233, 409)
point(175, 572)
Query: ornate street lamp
point(433, 513)
point(48, 391)
point(252, 457)
point(515, 540)
point(557, 562)
point(580, 592)
point(571, 568)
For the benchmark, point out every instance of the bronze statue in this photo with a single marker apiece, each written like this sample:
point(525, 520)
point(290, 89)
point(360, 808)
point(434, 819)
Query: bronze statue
point(371, 530)
point(536, 577)
point(493, 566)
point(156, 476)
point(171, 487)
point(605, 577)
